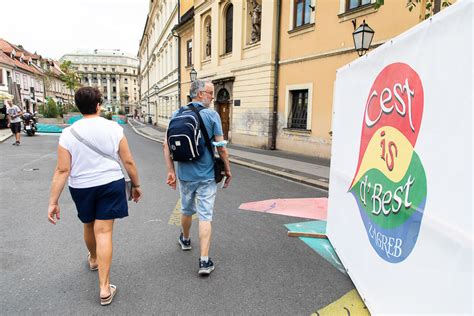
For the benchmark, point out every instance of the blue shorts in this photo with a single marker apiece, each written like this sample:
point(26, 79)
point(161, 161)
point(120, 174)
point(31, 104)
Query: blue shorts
point(107, 201)
point(198, 196)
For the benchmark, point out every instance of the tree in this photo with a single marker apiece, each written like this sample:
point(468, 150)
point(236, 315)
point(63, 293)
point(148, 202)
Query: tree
point(427, 7)
point(51, 110)
point(69, 76)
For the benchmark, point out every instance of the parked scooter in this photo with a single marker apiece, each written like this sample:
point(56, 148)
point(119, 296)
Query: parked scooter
point(29, 124)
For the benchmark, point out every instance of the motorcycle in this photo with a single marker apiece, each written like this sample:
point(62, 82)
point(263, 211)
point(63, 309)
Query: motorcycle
point(29, 124)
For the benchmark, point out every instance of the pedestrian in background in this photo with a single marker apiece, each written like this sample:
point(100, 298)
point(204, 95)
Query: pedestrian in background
point(14, 114)
point(197, 183)
point(96, 183)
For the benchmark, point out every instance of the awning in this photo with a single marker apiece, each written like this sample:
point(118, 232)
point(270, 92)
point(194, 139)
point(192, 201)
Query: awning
point(5, 96)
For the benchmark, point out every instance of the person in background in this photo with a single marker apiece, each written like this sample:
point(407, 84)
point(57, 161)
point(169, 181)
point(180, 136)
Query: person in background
point(14, 114)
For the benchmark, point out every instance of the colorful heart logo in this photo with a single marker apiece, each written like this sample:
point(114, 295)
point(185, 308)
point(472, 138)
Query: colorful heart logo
point(390, 182)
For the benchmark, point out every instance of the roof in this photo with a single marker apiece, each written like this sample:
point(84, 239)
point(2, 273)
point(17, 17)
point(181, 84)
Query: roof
point(7, 48)
point(4, 59)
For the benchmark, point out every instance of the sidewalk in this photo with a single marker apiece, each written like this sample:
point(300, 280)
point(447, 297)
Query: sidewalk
point(5, 133)
point(305, 169)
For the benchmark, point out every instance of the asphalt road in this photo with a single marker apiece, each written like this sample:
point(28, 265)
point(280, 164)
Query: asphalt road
point(259, 270)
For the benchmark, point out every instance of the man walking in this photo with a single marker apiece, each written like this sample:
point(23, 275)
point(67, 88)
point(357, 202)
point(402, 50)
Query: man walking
point(14, 114)
point(196, 177)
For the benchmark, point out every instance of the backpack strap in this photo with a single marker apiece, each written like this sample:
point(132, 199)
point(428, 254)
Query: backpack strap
point(203, 129)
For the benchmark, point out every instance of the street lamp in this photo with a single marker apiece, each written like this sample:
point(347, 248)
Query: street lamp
point(157, 89)
point(193, 74)
point(363, 36)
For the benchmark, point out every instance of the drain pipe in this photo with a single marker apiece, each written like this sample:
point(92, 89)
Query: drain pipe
point(275, 84)
point(179, 55)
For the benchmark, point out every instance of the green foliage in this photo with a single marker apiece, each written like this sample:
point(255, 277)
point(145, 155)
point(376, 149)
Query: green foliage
point(121, 112)
point(108, 115)
point(73, 108)
point(411, 4)
point(51, 109)
point(69, 76)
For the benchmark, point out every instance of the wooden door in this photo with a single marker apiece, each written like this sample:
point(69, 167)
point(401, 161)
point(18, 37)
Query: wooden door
point(224, 112)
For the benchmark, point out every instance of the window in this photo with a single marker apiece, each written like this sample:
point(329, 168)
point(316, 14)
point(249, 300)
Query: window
point(85, 68)
point(105, 89)
point(103, 69)
point(126, 80)
point(1, 76)
point(297, 117)
point(113, 69)
point(189, 52)
point(95, 68)
point(302, 12)
point(114, 89)
point(228, 28)
point(133, 71)
point(352, 4)
point(208, 37)
point(124, 69)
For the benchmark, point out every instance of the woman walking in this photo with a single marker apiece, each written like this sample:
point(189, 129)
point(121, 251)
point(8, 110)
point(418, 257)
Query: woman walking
point(88, 155)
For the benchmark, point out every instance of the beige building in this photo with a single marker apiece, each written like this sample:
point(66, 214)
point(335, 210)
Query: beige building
point(158, 55)
point(232, 45)
point(238, 43)
point(114, 72)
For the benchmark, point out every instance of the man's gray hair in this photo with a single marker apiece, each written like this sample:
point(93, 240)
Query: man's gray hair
point(196, 87)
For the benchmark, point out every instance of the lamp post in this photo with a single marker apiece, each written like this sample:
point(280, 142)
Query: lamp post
point(363, 36)
point(193, 74)
point(157, 89)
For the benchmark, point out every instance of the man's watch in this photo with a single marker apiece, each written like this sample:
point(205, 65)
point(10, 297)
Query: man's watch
point(135, 185)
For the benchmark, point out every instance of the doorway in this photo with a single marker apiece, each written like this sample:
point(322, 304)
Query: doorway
point(224, 112)
point(223, 108)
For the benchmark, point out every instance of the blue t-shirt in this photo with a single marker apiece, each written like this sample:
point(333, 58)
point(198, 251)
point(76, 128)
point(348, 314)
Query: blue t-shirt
point(203, 168)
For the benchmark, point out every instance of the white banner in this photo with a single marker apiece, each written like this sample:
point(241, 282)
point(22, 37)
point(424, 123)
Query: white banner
point(400, 198)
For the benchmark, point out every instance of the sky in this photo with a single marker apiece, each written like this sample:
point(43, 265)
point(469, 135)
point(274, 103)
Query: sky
point(53, 28)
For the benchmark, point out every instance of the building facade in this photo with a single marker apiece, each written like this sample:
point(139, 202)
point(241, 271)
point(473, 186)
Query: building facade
point(273, 63)
point(158, 55)
point(322, 31)
point(113, 72)
point(232, 44)
point(25, 79)
point(185, 31)
point(54, 86)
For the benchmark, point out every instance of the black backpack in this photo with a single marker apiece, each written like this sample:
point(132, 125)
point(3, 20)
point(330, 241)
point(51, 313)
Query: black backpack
point(184, 136)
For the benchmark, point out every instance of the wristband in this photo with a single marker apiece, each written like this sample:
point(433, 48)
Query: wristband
point(135, 185)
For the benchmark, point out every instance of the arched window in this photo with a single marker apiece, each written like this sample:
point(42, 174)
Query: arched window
point(229, 18)
point(208, 37)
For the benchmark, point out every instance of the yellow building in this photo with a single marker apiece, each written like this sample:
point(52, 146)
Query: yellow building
point(312, 48)
point(246, 46)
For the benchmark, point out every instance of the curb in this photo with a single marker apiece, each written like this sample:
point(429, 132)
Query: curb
point(145, 135)
point(311, 182)
point(4, 138)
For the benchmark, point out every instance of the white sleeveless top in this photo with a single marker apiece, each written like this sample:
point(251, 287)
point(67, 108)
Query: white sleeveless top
point(88, 168)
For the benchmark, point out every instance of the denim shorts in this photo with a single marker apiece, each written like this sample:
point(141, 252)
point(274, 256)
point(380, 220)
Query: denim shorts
point(103, 202)
point(198, 196)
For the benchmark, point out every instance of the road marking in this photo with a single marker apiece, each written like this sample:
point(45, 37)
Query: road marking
point(175, 218)
point(313, 208)
point(350, 304)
